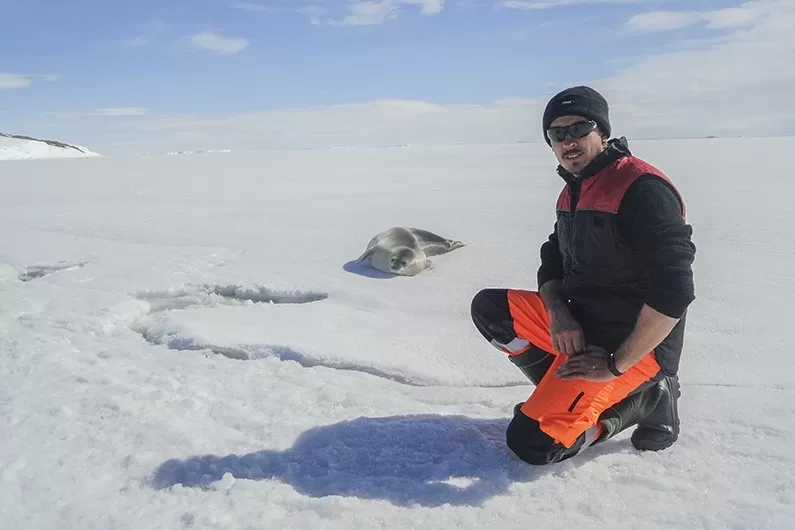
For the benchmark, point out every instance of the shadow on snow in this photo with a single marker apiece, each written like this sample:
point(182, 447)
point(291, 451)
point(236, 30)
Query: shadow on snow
point(428, 460)
point(363, 269)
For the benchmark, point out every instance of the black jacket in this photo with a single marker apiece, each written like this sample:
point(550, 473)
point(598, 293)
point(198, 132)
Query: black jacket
point(621, 240)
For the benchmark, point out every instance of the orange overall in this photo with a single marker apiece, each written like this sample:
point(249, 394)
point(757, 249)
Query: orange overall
point(563, 408)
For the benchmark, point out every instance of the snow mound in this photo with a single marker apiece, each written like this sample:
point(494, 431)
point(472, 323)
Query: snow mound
point(187, 152)
point(18, 147)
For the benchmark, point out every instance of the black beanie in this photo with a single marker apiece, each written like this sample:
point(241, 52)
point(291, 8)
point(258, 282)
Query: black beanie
point(579, 101)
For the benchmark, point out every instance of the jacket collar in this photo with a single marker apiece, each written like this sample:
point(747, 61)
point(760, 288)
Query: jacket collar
point(616, 149)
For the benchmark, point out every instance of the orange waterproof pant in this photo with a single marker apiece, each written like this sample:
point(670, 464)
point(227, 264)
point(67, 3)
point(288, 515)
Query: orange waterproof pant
point(565, 408)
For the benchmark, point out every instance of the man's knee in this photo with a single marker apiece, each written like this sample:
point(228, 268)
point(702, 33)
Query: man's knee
point(528, 442)
point(489, 301)
point(489, 310)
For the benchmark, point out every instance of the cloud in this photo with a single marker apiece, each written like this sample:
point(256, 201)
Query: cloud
point(214, 42)
point(365, 13)
point(353, 12)
point(369, 13)
point(735, 82)
point(52, 78)
point(428, 7)
point(663, 20)
point(549, 4)
point(731, 17)
point(120, 111)
point(376, 123)
point(734, 17)
point(8, 80)
point(312, 11)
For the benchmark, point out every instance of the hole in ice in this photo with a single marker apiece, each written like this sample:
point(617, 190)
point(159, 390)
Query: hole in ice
point(213, 296)
point(39, 271)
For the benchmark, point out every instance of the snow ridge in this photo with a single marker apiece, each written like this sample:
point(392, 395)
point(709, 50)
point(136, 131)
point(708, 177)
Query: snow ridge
point(21, 147)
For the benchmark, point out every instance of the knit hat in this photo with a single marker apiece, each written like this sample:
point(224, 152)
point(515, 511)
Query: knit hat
point(579, 101)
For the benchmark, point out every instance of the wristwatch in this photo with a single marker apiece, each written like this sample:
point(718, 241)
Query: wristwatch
point(611, 365)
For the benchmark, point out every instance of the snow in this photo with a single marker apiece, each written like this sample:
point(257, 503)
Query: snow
point(188, 152)
point(27, 148)
point(185, 342)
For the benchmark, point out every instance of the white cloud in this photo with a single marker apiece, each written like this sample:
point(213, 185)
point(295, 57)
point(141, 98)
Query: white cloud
point(372, 12)
point(736, 81)
point(51, 78)
point(120, 111)
point(313, 12)
point(733, 17)
point(376, 123)
point(663, 20)
point(739, 82)
point(548, 4)
point(353, 12)
point(428, 7)
point(217, 43)
point(368, 13)
point(8, 80)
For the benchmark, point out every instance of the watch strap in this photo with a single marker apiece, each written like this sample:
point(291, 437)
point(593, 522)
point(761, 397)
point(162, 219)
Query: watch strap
point(611, 365)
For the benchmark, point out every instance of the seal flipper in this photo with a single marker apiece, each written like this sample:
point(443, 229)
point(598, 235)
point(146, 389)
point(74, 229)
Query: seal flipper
point(434, 244)
point(428, 237)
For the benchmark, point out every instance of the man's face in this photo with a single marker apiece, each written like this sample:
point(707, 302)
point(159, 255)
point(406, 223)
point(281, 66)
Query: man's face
point(576, 153)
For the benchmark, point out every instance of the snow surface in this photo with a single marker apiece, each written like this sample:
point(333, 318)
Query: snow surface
point(27, 149)
point(186, 343)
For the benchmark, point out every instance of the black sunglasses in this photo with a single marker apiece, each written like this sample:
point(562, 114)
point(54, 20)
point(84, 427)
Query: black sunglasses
point(575, 130)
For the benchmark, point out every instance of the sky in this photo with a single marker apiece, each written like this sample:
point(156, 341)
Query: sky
point(282, 73)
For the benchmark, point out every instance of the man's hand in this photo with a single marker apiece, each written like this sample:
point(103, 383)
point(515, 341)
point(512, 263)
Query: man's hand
point(566, 333)
point(590, 365)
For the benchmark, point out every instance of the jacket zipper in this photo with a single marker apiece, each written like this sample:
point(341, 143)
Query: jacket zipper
point(575, 198)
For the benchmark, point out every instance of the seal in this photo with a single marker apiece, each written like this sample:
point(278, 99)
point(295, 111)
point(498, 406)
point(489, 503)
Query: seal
point(405, 251)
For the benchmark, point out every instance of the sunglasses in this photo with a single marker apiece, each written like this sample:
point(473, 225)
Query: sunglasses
point(576, 130)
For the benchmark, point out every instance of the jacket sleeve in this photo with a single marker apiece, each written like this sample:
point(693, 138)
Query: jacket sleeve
point(551, 261)
point(650, 219)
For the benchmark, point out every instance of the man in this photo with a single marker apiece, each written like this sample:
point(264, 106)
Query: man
point(602, 337)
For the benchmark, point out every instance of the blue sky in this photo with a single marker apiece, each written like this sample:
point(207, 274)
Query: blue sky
point(156, 58)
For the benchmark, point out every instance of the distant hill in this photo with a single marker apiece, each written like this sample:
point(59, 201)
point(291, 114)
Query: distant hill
point(20, 147)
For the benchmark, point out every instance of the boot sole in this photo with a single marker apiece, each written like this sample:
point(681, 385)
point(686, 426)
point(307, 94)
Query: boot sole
point(652, 446)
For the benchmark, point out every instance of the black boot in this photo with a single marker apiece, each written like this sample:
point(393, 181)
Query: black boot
point(660, 429)
point(534, 363)
point(630, 411)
